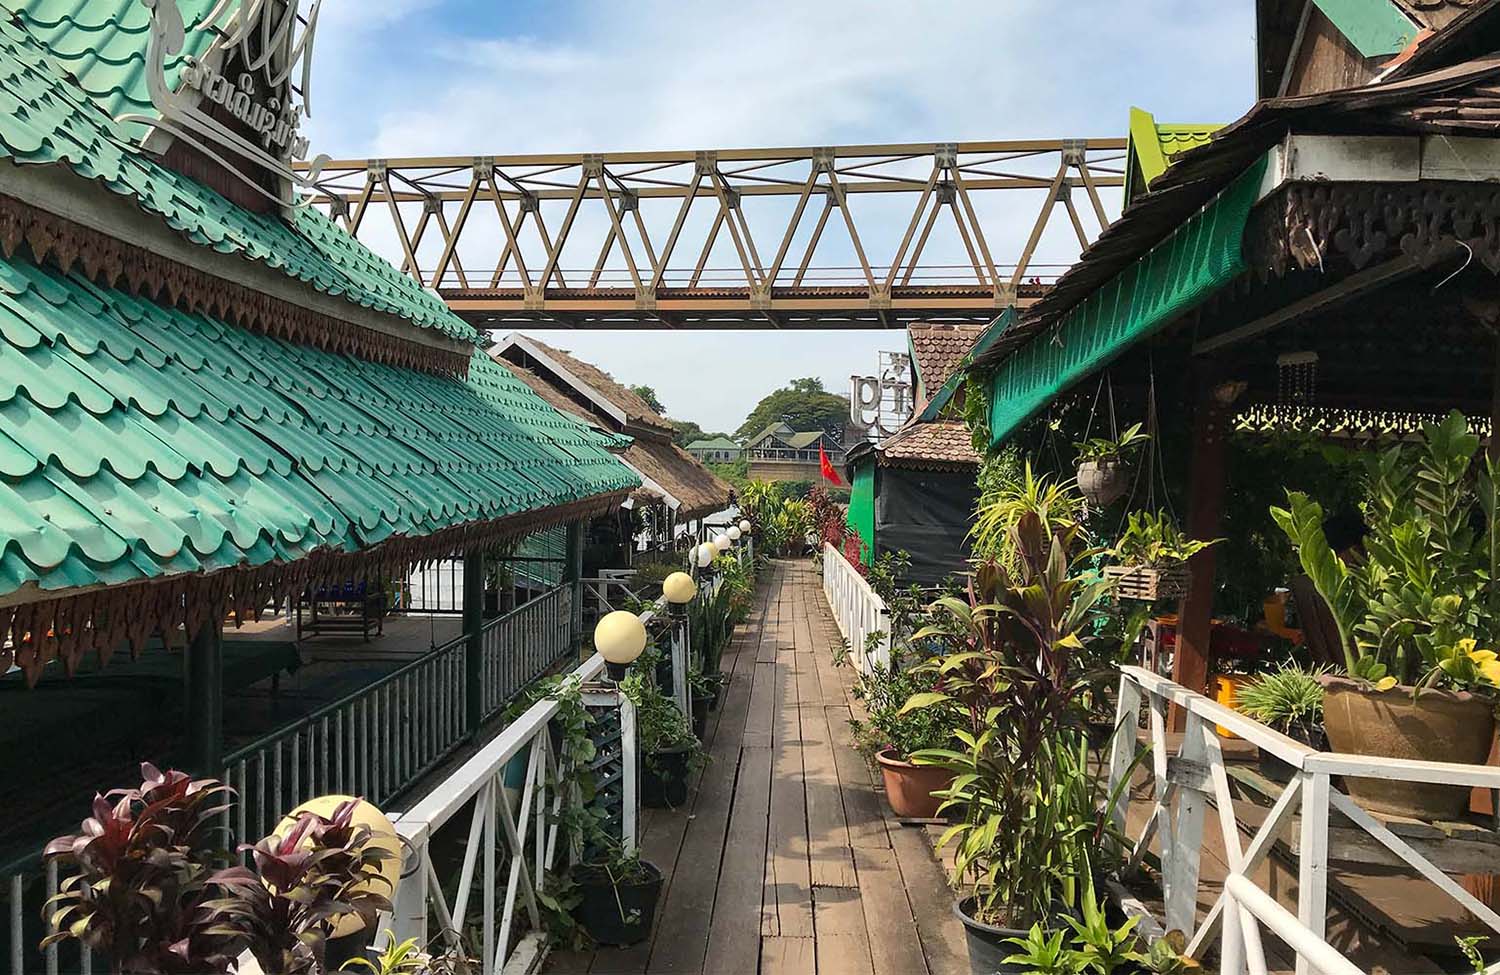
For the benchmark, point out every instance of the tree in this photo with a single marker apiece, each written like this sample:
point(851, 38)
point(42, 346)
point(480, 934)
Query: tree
point(686, 431)
point(649, 395)
point(802, 404)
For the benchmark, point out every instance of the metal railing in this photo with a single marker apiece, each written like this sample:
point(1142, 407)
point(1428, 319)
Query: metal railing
point(524, 644)
point(514, 841)
point(1186, 783)
point(376, 742)
point(858, 610)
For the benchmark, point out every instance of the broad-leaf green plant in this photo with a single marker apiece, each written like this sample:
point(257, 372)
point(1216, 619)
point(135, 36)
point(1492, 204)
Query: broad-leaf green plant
point(1421, 607)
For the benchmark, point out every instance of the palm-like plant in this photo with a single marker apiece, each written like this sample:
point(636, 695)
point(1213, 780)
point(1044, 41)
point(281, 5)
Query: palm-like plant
point(1017, 664)
point(143, 861)
point(304, 883)
point(1054, 502)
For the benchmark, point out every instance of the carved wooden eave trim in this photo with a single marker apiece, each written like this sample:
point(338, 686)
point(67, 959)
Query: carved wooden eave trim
point(78, 223)
point(43, 627)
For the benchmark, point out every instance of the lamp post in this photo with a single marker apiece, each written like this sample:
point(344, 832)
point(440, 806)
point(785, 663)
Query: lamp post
point(619, 637)
point(679, 590)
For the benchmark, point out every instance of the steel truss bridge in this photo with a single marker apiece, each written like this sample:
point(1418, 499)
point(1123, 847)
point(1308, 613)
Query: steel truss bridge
point(728, 238)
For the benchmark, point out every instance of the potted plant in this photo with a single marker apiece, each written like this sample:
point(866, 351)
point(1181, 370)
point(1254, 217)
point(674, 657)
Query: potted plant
point(618, 892)
point(1016, 663)
point(1104, 465)
point(1417, 616)
point(704, 689)
point(669, 750)
point(1151, 557)
point(1289, 699)
point(891, 736)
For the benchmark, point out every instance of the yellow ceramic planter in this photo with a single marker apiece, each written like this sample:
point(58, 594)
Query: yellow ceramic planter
point(1226, 690)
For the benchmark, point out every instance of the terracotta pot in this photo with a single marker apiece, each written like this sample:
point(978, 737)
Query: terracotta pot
point(1438, 726)
point(909, 788)
point(1103, 481)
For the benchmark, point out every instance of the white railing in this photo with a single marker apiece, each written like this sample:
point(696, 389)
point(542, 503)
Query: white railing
point(858, 611)
point(523, 830)
point(1186, 783)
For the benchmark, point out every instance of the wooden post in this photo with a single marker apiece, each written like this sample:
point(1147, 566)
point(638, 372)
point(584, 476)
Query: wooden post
point(203, 666)
point(1494, 445)
point(1206, 476)
point(573, 573)
point(473, 621)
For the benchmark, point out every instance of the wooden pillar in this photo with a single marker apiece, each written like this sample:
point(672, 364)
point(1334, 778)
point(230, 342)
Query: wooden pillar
point(473, 621)
point(573, 574)
point(1206, 477)
point(203, 679)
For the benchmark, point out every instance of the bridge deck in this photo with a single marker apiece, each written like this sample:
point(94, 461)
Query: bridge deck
point(786, 859)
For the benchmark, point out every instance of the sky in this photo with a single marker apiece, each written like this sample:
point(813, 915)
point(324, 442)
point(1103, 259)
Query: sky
point(474, 77)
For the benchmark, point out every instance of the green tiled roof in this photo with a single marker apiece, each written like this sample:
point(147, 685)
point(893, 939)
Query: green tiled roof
point(102, 46)
point(1154, 146)
point(45, 119)
point(139, 441)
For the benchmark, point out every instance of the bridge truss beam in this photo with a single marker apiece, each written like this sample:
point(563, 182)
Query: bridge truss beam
point(489, 233)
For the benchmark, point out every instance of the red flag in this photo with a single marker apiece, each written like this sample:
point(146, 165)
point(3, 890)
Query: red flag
point(829, 474)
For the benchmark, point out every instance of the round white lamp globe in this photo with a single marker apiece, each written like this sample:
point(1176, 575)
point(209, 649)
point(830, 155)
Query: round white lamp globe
point(706, 553)
point(734, 533)
point(722, 542)
point(745, 526)
point(619, 637)
point(679, 588)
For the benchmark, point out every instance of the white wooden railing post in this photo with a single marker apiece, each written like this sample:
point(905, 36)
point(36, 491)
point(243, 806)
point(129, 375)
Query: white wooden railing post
point(679, 651)
point(1312, 855)
point(1122, 752)
point(409, 907)
point(1180, 877)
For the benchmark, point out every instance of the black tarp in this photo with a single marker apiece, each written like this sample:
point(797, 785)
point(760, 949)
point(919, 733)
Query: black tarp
point(927, 515)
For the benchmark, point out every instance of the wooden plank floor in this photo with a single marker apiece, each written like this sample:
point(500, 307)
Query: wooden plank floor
point(786, 859)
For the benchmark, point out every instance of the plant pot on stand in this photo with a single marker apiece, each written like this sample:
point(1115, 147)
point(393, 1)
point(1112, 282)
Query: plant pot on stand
point(1435, 726)
point(664, 777)
point(909, 788)
point(617, 912)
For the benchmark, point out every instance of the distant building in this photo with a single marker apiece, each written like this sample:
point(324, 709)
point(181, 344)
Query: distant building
point(716, 450)
point(779, 453)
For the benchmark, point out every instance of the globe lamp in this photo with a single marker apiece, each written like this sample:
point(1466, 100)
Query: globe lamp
point(722, 542)
point(745, 527)
point(734, 533)
point(619, 637)
point(706, 553)
point(679, 588)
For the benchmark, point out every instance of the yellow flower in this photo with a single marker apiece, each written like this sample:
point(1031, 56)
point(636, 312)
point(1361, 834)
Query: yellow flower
point(1467, 645)
point(1490, 669)
point(1385, 683)
point(1482, 657)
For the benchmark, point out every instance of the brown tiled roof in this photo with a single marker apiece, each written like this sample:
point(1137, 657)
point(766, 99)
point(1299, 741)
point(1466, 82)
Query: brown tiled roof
point(939, 348)
point(695, 486)
point(940, 445)
point(634, 408)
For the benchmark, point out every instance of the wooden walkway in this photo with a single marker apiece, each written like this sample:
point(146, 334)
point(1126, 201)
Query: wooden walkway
point(786, 859)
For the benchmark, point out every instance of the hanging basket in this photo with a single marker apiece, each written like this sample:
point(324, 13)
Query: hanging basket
point(1148, 584)
point(1102, 482)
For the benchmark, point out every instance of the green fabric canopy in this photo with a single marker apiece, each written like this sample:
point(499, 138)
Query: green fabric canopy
point(861, 514)
point(1203, 255)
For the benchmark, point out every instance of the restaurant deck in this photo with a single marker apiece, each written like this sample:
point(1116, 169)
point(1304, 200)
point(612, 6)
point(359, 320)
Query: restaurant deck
point(786, 859)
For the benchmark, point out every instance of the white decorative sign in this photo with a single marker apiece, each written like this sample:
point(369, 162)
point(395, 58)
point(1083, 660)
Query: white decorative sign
point(257, 72)
point(880, 404)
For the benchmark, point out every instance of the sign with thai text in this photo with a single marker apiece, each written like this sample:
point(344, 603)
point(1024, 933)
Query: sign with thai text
point(881, 403)
point(243, 99)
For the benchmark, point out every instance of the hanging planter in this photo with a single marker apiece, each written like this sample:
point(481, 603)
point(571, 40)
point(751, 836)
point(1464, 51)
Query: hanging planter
point(1148, 583)
point(1106, 466)
point(1102, 482)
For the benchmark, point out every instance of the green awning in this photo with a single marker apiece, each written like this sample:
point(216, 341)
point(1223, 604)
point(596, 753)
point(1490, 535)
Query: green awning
point(1203, 255)
point(861, 514)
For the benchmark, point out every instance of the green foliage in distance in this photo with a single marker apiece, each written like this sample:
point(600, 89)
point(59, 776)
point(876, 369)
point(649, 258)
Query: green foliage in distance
point(802, 405)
